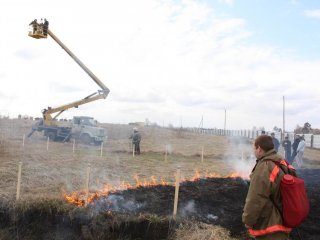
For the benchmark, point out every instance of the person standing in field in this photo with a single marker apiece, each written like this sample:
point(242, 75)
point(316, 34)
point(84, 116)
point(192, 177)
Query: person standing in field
point(286, 144)
point(136, 138)
point(262, 211)
point(300, 151)
point(276, 142)
point(295, 146)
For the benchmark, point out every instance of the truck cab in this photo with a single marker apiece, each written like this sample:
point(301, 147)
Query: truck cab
point(86, 129)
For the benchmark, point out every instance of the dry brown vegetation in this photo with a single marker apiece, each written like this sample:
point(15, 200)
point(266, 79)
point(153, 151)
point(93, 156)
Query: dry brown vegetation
point(49, 173)
point(202, 231)
point(46, 172)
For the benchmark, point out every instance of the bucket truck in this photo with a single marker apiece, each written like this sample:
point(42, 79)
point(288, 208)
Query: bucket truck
point(83, 128)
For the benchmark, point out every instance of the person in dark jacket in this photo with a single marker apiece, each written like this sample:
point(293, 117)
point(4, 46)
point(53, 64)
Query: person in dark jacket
point(45, 27)
point(34, 25)
point(295, 145)
point(136, 138)
point(286, 144)
point(263, 206)
point(276, 142)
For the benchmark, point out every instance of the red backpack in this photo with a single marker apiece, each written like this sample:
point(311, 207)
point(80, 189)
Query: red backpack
point(295, 202)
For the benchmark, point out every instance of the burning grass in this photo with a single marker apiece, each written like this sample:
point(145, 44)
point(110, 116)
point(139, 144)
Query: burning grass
point(132, 198)
point(81, 198)
point(208, 209)
point(49, 219)
point(138, 213)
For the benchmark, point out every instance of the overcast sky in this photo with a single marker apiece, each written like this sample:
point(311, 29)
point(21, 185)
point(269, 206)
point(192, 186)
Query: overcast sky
point(173, 62)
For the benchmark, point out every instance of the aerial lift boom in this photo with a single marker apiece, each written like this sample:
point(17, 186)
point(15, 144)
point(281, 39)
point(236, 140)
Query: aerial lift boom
point(41, 30)
point(77, 60)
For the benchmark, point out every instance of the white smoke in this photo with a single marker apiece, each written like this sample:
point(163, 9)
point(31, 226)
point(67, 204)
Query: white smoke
point(116, 203)
point(188, 209)
point(240, 156)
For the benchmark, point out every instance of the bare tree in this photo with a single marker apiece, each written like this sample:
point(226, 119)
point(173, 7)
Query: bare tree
point(306, 128)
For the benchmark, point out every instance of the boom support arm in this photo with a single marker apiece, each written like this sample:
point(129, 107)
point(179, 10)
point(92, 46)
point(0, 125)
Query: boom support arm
point(48, 119)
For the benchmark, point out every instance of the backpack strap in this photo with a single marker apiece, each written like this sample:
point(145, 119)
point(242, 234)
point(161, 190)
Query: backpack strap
point(283, 165)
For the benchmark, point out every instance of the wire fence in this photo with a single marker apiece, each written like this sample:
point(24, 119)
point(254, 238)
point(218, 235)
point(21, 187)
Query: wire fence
point(311, 140)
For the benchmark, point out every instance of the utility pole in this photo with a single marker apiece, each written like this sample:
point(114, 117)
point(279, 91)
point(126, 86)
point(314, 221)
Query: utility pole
point(225, 121)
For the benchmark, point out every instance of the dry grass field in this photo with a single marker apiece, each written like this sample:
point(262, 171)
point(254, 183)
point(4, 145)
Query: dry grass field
point(45, 172)
point(51, 169)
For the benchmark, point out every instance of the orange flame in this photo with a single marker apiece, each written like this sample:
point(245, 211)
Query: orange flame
point(78, 198)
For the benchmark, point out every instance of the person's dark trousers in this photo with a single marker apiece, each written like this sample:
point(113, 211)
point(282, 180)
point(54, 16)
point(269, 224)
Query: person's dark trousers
point(137, 148)
point(288, 156)
point(294, 154)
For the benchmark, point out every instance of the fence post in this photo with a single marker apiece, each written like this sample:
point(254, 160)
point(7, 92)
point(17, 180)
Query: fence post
point(87, 185)
point(101, 149)
point(19, 181)
point(48, 144)
point(73, 146)
point(202, 154)
point(166, 154)
point(312, 141)
point(176, 194)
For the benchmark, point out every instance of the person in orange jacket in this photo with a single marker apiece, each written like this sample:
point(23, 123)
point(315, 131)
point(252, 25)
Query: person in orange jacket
point(263, 206)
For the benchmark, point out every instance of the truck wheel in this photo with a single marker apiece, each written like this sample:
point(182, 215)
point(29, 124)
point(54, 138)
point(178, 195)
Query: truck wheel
point(51, 136)
point(85, 138)
point(97, 143)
